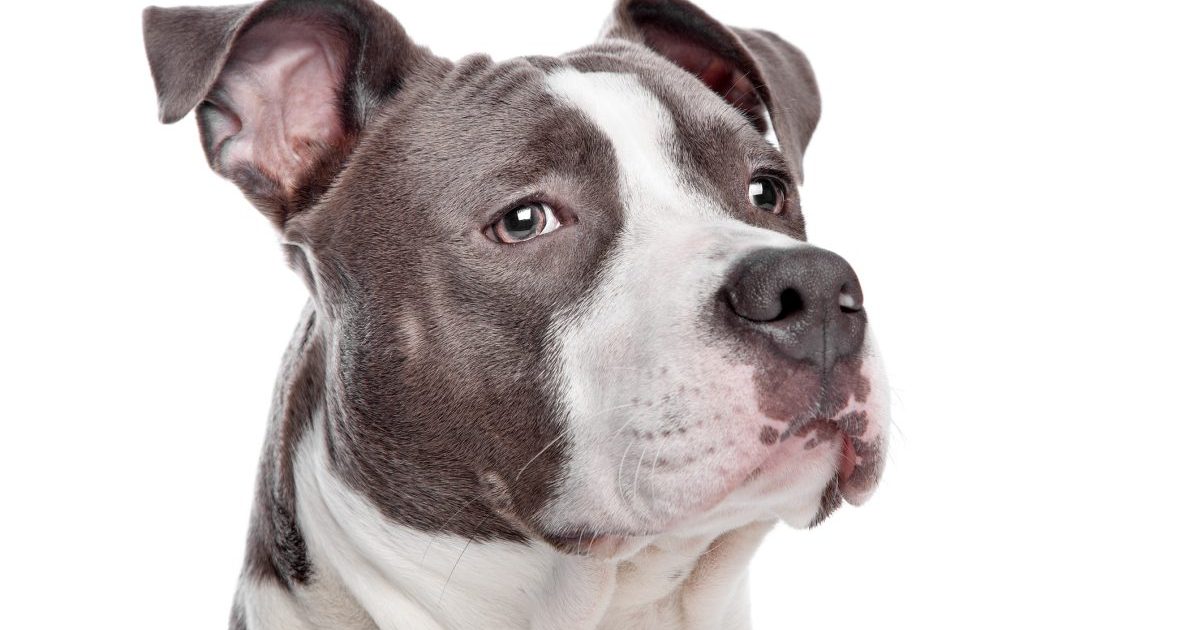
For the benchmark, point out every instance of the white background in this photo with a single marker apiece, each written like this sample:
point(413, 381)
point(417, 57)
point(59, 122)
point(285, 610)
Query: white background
point(1015, 183)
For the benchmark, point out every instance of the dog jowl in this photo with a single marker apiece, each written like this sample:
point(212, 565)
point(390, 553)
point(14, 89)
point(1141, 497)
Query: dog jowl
point(568, 354)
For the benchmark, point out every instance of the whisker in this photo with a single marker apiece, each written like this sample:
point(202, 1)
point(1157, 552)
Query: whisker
point(636, 472)
point(653, 467)
point(456, 561)
point(713, 547)
point(621, 469)
point(433, 535)
point(563, 434)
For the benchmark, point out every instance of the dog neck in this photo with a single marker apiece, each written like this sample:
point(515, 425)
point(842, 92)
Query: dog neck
point(395, 575)
point(335, 561)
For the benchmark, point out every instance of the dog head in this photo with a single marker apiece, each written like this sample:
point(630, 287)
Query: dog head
point(568, 298)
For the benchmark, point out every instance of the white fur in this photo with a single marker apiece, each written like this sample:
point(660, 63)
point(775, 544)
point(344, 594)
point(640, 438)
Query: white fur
point(370, 573)
point(401, 577)
point(633, 357)
point(769, 134)
point(267, 606)
point(638, 359)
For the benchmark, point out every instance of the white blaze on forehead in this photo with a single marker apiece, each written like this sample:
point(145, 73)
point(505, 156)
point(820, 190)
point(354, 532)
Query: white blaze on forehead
point(640, 130)
point(630, 353)
point(770, 136)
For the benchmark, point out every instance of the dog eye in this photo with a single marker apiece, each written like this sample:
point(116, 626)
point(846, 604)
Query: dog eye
point(767, 193)
point(525, 222)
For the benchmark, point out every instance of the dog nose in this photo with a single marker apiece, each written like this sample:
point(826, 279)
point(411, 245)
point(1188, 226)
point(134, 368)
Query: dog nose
point(806, 301)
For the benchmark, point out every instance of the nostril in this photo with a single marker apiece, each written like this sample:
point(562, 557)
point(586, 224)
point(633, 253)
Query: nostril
point(790, 303)
point(848, 301)
point(805, 304)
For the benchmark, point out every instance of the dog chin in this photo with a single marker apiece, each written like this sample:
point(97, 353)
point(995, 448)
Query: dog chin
point(799, 483)
point(798, 470)
point(806, 512)
point(794, 484)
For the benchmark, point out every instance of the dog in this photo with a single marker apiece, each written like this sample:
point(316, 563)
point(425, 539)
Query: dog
point(568, 355)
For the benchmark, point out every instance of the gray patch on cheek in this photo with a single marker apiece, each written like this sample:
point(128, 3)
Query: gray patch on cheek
point(448, 416)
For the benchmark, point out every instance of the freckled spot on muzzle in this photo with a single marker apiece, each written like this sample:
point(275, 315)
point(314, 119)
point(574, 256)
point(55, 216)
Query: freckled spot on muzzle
point(854, 423)
point(818, 430)
point(870, 467)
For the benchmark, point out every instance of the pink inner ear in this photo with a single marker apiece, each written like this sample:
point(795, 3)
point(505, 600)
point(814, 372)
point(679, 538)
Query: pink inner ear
point(720, 74)
point(277, 101)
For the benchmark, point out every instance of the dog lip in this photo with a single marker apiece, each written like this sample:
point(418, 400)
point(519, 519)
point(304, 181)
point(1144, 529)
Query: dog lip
point(856, 467)
point(848, 462)
point(846, 483)
point(860, 469)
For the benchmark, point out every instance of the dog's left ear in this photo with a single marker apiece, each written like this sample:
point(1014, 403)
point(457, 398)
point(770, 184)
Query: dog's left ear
point(766, 78)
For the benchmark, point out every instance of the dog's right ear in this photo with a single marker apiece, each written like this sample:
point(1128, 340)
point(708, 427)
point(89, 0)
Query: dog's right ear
point(282, 89)
point(767, 79)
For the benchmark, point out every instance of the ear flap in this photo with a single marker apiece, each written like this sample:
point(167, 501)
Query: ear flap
point(766, 78)
point(281, 89)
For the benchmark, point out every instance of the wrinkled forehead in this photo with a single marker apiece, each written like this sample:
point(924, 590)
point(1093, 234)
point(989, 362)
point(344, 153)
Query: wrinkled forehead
point(498, 128)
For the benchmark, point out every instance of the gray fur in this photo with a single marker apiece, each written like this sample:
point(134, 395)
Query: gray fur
point(423, 342)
